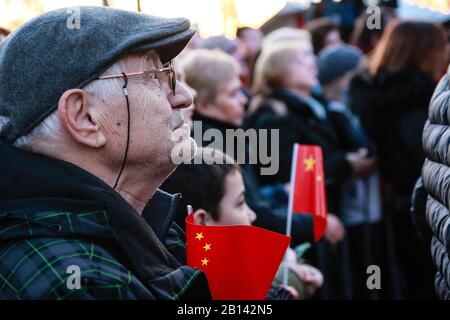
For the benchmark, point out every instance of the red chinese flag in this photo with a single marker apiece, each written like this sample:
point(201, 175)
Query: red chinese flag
point(308, 186)
point(240, 262)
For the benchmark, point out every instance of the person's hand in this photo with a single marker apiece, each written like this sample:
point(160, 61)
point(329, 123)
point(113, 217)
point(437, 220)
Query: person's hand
point(335, 230)
point(290, 256)
point(294, 293)
point(361, 163)
point(310, 276)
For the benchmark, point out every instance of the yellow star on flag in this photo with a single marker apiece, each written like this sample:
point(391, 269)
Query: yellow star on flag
point(199, 236)
point(310, 162)
point(204, 262)
point(207, 247)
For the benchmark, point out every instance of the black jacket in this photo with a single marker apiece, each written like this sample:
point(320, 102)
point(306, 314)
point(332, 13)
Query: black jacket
point(436, 175)
point(298, 124)
point(270, 214)
point(393, 109)
point(54, 215)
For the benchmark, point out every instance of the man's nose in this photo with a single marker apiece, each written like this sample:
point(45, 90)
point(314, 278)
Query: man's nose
point(182, 98)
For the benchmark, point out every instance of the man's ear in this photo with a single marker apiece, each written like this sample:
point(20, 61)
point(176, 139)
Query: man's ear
point(202, 217)
point(77, 116)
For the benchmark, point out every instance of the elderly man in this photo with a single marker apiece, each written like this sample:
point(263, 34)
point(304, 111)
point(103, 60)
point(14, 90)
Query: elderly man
point(89, 115)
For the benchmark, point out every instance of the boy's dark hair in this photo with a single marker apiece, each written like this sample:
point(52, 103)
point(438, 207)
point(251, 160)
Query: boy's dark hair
point(201, 185)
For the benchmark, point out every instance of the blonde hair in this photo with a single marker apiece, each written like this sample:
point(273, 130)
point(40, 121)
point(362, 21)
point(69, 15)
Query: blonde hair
point(273, 63)
point(205, 70)
point(286, 35)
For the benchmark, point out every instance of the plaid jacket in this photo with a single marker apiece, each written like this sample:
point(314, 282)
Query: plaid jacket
point(61, 227)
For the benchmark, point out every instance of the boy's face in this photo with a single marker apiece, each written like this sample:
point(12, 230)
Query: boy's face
point(233, 210)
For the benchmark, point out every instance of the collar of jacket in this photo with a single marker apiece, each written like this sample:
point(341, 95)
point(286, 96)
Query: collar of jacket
point(208, 123)
point(32, 183)
point(161, 202)
point(298, 104)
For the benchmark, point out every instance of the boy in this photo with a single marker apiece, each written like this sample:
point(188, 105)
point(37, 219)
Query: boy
point(215, 189)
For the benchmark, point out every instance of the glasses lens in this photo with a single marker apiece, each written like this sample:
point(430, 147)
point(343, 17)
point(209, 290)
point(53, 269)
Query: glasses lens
point(172, 77)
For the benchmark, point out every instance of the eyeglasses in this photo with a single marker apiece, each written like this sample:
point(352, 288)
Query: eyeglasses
point(168, 69)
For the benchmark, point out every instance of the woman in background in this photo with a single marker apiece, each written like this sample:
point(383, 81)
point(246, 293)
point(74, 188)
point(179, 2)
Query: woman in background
point(392, 99)
point(286, 74)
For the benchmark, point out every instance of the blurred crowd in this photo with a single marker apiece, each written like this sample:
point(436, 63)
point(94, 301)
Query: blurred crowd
point(364, 102)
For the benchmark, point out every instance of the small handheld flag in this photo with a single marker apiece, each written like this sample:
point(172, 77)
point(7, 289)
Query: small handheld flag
point(239, 261)
point(307, 194)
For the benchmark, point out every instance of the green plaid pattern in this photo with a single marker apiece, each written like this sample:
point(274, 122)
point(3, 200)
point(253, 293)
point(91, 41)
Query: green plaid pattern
point(176, 243)
point(34, 261)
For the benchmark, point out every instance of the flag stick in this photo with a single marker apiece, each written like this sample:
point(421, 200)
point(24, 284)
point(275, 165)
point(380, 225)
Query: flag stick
point(289, 213)
point(189, 209)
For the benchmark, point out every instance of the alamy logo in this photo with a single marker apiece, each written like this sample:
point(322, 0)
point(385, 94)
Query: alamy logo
point(374, 18)
point(249, 146)
point(374, 280)
point(74, 280)
point(74, 20)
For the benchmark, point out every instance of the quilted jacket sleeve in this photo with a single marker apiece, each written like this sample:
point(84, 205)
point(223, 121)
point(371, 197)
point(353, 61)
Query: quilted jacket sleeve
point(436, 180)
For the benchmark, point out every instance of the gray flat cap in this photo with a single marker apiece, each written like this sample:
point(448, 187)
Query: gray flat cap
point(336, 61)
point(47, 56)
